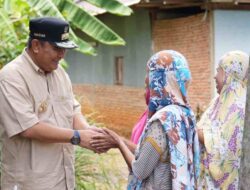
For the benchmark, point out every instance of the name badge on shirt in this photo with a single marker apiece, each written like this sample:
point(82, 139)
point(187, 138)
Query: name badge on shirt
point(43, 107)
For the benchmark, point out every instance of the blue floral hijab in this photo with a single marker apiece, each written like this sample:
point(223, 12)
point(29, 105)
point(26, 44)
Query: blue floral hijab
point(168, 77)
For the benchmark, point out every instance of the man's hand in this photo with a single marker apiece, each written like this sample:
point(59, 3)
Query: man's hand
point(86, 136)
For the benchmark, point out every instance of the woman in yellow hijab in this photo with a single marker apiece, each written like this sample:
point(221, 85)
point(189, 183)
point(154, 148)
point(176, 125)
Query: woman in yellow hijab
point(221, 126)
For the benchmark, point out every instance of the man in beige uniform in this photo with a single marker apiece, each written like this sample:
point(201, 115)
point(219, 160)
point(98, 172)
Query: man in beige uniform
point(39, 118)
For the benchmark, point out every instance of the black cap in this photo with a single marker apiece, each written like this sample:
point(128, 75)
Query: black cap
point(53, 30)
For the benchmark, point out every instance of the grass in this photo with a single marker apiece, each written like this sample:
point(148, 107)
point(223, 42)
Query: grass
point(93, 171)
point(107, 171)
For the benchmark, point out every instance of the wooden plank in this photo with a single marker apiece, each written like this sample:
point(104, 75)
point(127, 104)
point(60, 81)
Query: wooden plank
point(169, 3)
point(183, 5)
point(216, 4)
point(242, 1)
point(226, 6)
point(222, 1)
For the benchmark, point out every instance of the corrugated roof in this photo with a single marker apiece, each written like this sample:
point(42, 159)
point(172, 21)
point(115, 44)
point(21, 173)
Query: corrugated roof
point(93, 10)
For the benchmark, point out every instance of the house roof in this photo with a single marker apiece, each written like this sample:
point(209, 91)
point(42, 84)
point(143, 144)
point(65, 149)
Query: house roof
point(93, 10)
point(170, 4)
point(204, 4)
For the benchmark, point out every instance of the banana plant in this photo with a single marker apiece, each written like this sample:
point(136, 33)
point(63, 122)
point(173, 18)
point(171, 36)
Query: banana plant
point(15, 14)
point(13, 28)
point(81, 19)
point(112, 6)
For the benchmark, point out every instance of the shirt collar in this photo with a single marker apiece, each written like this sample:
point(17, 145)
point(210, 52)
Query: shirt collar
point(31, 62)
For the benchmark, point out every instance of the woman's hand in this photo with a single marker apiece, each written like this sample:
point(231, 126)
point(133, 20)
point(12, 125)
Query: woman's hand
point(115, 137)
point(105, 140)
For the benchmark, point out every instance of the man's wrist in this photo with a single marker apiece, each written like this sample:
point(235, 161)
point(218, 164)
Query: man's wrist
point(76, 139)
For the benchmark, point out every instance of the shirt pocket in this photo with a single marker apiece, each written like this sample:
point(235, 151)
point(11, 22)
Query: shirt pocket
point(64, 111)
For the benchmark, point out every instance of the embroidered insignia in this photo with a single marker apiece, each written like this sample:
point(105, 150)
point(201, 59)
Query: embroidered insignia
point(65, 36)
point(43, 107)
point(40, 35)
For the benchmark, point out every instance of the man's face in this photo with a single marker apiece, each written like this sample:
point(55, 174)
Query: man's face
point(48, 56)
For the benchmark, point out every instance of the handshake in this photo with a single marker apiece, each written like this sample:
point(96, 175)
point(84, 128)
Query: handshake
point(99, 140)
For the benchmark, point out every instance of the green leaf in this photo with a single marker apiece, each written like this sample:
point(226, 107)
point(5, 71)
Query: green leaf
point(112, 6)
point(88, 23)
point(84, 47)
point(45, 7)
point(64, 64)
point(7, 5)
point(6, 24)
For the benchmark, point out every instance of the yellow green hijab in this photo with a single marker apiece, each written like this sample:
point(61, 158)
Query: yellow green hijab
point(222, 125)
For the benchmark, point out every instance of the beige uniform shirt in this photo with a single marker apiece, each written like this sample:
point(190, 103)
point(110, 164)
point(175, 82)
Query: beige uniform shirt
point(28, 96)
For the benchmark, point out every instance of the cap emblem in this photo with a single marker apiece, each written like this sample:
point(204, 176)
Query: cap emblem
point(65, 36)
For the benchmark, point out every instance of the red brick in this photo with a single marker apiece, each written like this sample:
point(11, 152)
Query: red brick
point(190, 36)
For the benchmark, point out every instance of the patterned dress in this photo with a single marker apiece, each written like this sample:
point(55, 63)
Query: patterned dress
point(222, 125)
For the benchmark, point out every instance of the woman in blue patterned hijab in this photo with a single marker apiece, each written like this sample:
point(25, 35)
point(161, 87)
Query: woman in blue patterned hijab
point(167, 156)
point(169, 77)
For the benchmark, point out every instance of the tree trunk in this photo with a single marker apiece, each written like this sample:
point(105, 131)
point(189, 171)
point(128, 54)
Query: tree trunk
point(245, 159)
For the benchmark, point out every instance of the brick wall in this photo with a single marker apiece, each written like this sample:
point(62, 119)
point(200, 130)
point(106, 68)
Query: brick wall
point(190, 36)
point(117, 107)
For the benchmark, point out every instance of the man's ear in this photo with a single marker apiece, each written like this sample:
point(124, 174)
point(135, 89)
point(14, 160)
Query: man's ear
point(35, 46)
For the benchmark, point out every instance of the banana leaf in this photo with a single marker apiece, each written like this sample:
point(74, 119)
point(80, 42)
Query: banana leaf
point(112, 6)
point(6, 24)
point(88, 23)
point(6, 5)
